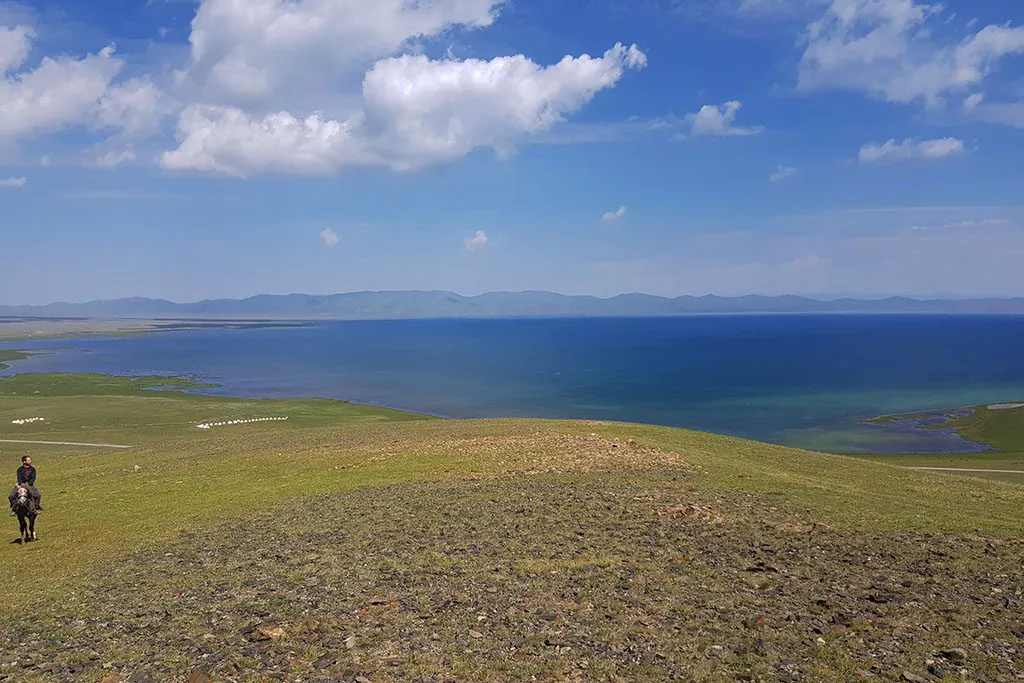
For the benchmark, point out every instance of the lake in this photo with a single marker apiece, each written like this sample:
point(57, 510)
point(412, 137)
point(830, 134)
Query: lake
point(802, 380)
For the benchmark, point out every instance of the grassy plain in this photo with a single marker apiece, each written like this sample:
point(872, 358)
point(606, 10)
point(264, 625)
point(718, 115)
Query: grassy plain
point(358, 541)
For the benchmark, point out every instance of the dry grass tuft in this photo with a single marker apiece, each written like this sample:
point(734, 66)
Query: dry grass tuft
point(696, 513)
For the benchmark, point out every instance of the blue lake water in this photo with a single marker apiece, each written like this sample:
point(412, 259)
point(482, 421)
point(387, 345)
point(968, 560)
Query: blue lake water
point(798, 380)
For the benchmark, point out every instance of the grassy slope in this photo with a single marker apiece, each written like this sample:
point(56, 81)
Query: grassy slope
point(556, 533)
point(100, 506)
point(1001, 429)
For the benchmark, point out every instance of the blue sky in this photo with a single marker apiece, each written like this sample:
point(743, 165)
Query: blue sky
point(191, 150)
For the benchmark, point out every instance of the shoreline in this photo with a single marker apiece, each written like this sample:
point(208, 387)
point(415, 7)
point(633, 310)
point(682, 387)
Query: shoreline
point(949, 420)
point(14, 330)
point(8, 356)
point(900, 425)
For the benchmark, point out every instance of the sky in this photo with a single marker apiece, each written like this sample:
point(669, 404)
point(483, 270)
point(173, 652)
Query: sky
point(188, 150)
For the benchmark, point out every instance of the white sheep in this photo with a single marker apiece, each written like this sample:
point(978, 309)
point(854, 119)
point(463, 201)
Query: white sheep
point(239, 421)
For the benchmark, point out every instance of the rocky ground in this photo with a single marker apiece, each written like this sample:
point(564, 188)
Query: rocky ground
point(604, 577)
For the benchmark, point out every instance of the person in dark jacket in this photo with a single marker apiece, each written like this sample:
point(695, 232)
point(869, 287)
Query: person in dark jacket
point(26, 475)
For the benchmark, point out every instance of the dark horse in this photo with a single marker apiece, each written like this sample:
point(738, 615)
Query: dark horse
point(25, 509)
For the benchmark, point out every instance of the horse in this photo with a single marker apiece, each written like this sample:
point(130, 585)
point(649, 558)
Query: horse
point(25, 509)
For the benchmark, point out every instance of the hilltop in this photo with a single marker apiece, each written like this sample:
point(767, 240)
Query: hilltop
point(438, 304)
point(357, 543)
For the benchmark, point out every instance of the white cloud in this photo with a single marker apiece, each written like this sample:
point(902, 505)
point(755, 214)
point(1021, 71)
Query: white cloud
point(477, 241)
point(14, 182)
point(984, 222)
point(273, 86)
point(887, 48)
point(1002, 113)
point(615, 215)
point(15, 43)
point(114, 157)
point(446, 108)
point(911, 149)
point(972, 101)
point(59, 93)
point(136, 107)
point(717, 120)
point(271, 50)
point(416, 112)
point(782, 173)
point(227, 140)
point(66, 92)
point(330, 238)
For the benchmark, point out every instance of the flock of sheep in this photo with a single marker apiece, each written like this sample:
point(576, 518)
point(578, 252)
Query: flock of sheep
point(206, 425)
point(28, 421)
point(211, 425)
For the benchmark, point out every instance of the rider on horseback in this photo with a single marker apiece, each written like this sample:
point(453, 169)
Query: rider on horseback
point(26, 475)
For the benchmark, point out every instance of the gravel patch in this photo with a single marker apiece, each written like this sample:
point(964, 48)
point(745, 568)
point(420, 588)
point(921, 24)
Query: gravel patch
point(605, 577)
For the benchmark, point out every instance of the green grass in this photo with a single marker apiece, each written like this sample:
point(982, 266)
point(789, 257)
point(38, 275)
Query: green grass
point(848, 491)
point(92, 385)
point(103, 504)
point(1003, 430)
point(148, 410)
point(9, 355)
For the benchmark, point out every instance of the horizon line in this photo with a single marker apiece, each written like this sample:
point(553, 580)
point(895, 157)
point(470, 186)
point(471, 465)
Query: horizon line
point(821, 298)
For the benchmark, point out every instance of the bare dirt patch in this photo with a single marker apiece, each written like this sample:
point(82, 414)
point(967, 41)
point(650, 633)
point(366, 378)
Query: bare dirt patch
point(541, 452)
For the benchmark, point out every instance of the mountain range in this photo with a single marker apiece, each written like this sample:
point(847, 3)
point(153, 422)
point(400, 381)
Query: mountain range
point(436, 304)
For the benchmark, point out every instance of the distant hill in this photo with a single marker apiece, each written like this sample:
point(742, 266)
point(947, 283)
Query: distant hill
point(393, 305)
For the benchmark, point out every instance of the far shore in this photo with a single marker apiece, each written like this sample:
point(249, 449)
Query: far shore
point(29, 329)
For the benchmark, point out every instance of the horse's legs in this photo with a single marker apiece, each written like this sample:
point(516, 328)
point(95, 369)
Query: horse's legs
point(32, 527)
point(23, 528)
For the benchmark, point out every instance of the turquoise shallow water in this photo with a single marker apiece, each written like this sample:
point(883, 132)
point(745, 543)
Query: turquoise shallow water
point(798, 380)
